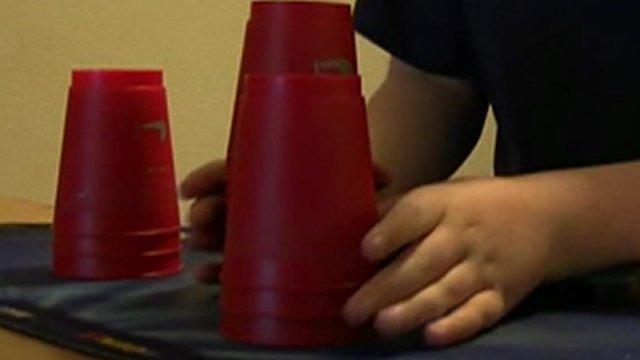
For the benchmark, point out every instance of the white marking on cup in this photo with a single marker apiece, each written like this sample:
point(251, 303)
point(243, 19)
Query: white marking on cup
point(158, 125)
point(338, 65)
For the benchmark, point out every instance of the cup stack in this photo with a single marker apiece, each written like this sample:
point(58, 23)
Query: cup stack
point(116, 212)
point(301, 194)
point(295, 37)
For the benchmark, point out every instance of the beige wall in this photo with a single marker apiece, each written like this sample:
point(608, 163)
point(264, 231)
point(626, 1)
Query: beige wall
point(196, 43)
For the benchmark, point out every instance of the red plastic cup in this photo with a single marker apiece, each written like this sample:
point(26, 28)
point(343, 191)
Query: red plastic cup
point(295, 37)
point(116, 212)
point(291, 305)
point(288, 333)
point(302, 199)
point(299, 266)
point(299, 37)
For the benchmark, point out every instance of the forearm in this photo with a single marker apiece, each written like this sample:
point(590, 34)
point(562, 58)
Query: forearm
point(423, 126)
point(596, 214)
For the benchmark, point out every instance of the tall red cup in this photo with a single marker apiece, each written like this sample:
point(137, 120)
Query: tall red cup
point(302, 199)
point(299, 37)
point(295, 37)
point(116, 212)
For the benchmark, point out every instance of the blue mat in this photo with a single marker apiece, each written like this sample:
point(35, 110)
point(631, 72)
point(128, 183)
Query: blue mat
point(176, 318)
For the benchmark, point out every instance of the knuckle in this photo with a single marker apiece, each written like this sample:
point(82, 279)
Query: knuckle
point(418, 264)
point(436, 307)
point(409, 205)
point(472, 232)
point(432, 305)
point(455, 290)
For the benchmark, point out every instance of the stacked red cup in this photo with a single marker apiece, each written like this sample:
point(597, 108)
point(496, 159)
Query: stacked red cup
point(302, 199)
point(299, 37)
point(295, 37)
point(116, 213)
point(301, 194)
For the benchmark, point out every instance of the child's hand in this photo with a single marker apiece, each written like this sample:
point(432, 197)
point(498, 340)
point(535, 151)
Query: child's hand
point(206, 186)
point(469, 251)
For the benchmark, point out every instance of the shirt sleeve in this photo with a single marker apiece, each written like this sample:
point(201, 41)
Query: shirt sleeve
point(428, 34)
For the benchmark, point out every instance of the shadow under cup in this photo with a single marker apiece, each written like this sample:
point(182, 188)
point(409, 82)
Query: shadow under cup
point(300, 200)
point(116, 212)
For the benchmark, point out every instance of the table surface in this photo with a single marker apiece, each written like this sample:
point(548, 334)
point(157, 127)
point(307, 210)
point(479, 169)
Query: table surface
point(12, 345)
point(16, 346)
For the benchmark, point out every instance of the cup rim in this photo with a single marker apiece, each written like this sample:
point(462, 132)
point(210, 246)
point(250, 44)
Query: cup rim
point(256, 84)
point(283, 8)
point(115, 78)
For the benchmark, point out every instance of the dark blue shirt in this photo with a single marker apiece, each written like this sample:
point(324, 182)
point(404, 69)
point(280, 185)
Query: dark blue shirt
point(563, 76)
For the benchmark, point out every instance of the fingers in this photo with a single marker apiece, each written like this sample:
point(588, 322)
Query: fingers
point(206, 239)
point(207, 214)
point(431, 303)
point(207, 211)
point(413, 217)
point(478, 313)
point(208, 179)
point(207, 217)
point(416, 268)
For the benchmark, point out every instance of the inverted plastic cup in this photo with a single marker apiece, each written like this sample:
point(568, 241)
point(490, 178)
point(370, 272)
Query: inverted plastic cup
point(303, 187)
point(303, 193)
point(116, 213)
point(299, 37)
point(295, 37)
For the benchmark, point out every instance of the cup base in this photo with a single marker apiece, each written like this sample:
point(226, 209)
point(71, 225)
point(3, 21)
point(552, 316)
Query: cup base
point(284, 305)
point(275, 332)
